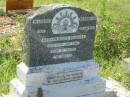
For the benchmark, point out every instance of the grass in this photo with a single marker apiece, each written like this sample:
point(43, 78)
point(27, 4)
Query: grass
point(111, 46)
point(2, 3)
point(10, 56)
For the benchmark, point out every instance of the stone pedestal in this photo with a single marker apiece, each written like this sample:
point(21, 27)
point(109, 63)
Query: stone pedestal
point(76, 79)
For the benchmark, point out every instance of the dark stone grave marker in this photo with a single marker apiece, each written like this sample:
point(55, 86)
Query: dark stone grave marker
point(59, 34)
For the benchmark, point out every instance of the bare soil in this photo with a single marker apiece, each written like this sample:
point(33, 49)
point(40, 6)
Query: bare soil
point(8, 25)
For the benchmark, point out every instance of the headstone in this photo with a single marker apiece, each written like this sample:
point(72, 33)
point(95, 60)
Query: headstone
point(57, 35)
point(59, 42)
point(18, 4)
point(126, 63)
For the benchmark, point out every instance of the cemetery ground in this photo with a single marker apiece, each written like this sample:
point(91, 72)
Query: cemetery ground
point(111, 46)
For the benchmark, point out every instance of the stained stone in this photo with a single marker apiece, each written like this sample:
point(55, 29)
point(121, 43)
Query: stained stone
point(59, 33)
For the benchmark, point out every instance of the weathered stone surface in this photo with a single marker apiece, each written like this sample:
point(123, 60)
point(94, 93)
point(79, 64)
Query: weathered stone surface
point(71, 89)
point(126, 63)
point(59, 73)
point(113, 89)
point(59, 33)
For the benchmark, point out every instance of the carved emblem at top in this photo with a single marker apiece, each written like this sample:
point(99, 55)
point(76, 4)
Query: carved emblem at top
point(65, 21)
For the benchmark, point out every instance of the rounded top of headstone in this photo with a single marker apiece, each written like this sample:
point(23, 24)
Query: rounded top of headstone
point(50, 7)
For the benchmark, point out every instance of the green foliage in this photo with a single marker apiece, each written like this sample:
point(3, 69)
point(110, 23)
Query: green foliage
point(11, 45)
point(7, 71)
point(115, 70)
point(126, 30)
point(2, 3)
point(8, 60)
point(112, 44)
point(110, 41)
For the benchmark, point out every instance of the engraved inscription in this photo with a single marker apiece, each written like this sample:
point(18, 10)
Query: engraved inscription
point(41, 31)
point(64, 38)
point(41, 21)
point(61, 56)
point(87, 18)
point(64, 76)
point(62, 50)
point(74, 43)
point(87, 28)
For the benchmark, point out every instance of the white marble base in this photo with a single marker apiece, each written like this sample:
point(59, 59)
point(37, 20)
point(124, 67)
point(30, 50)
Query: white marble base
point(61, 72)
point(76, 79)
point(80, 88)
point(113, 89)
